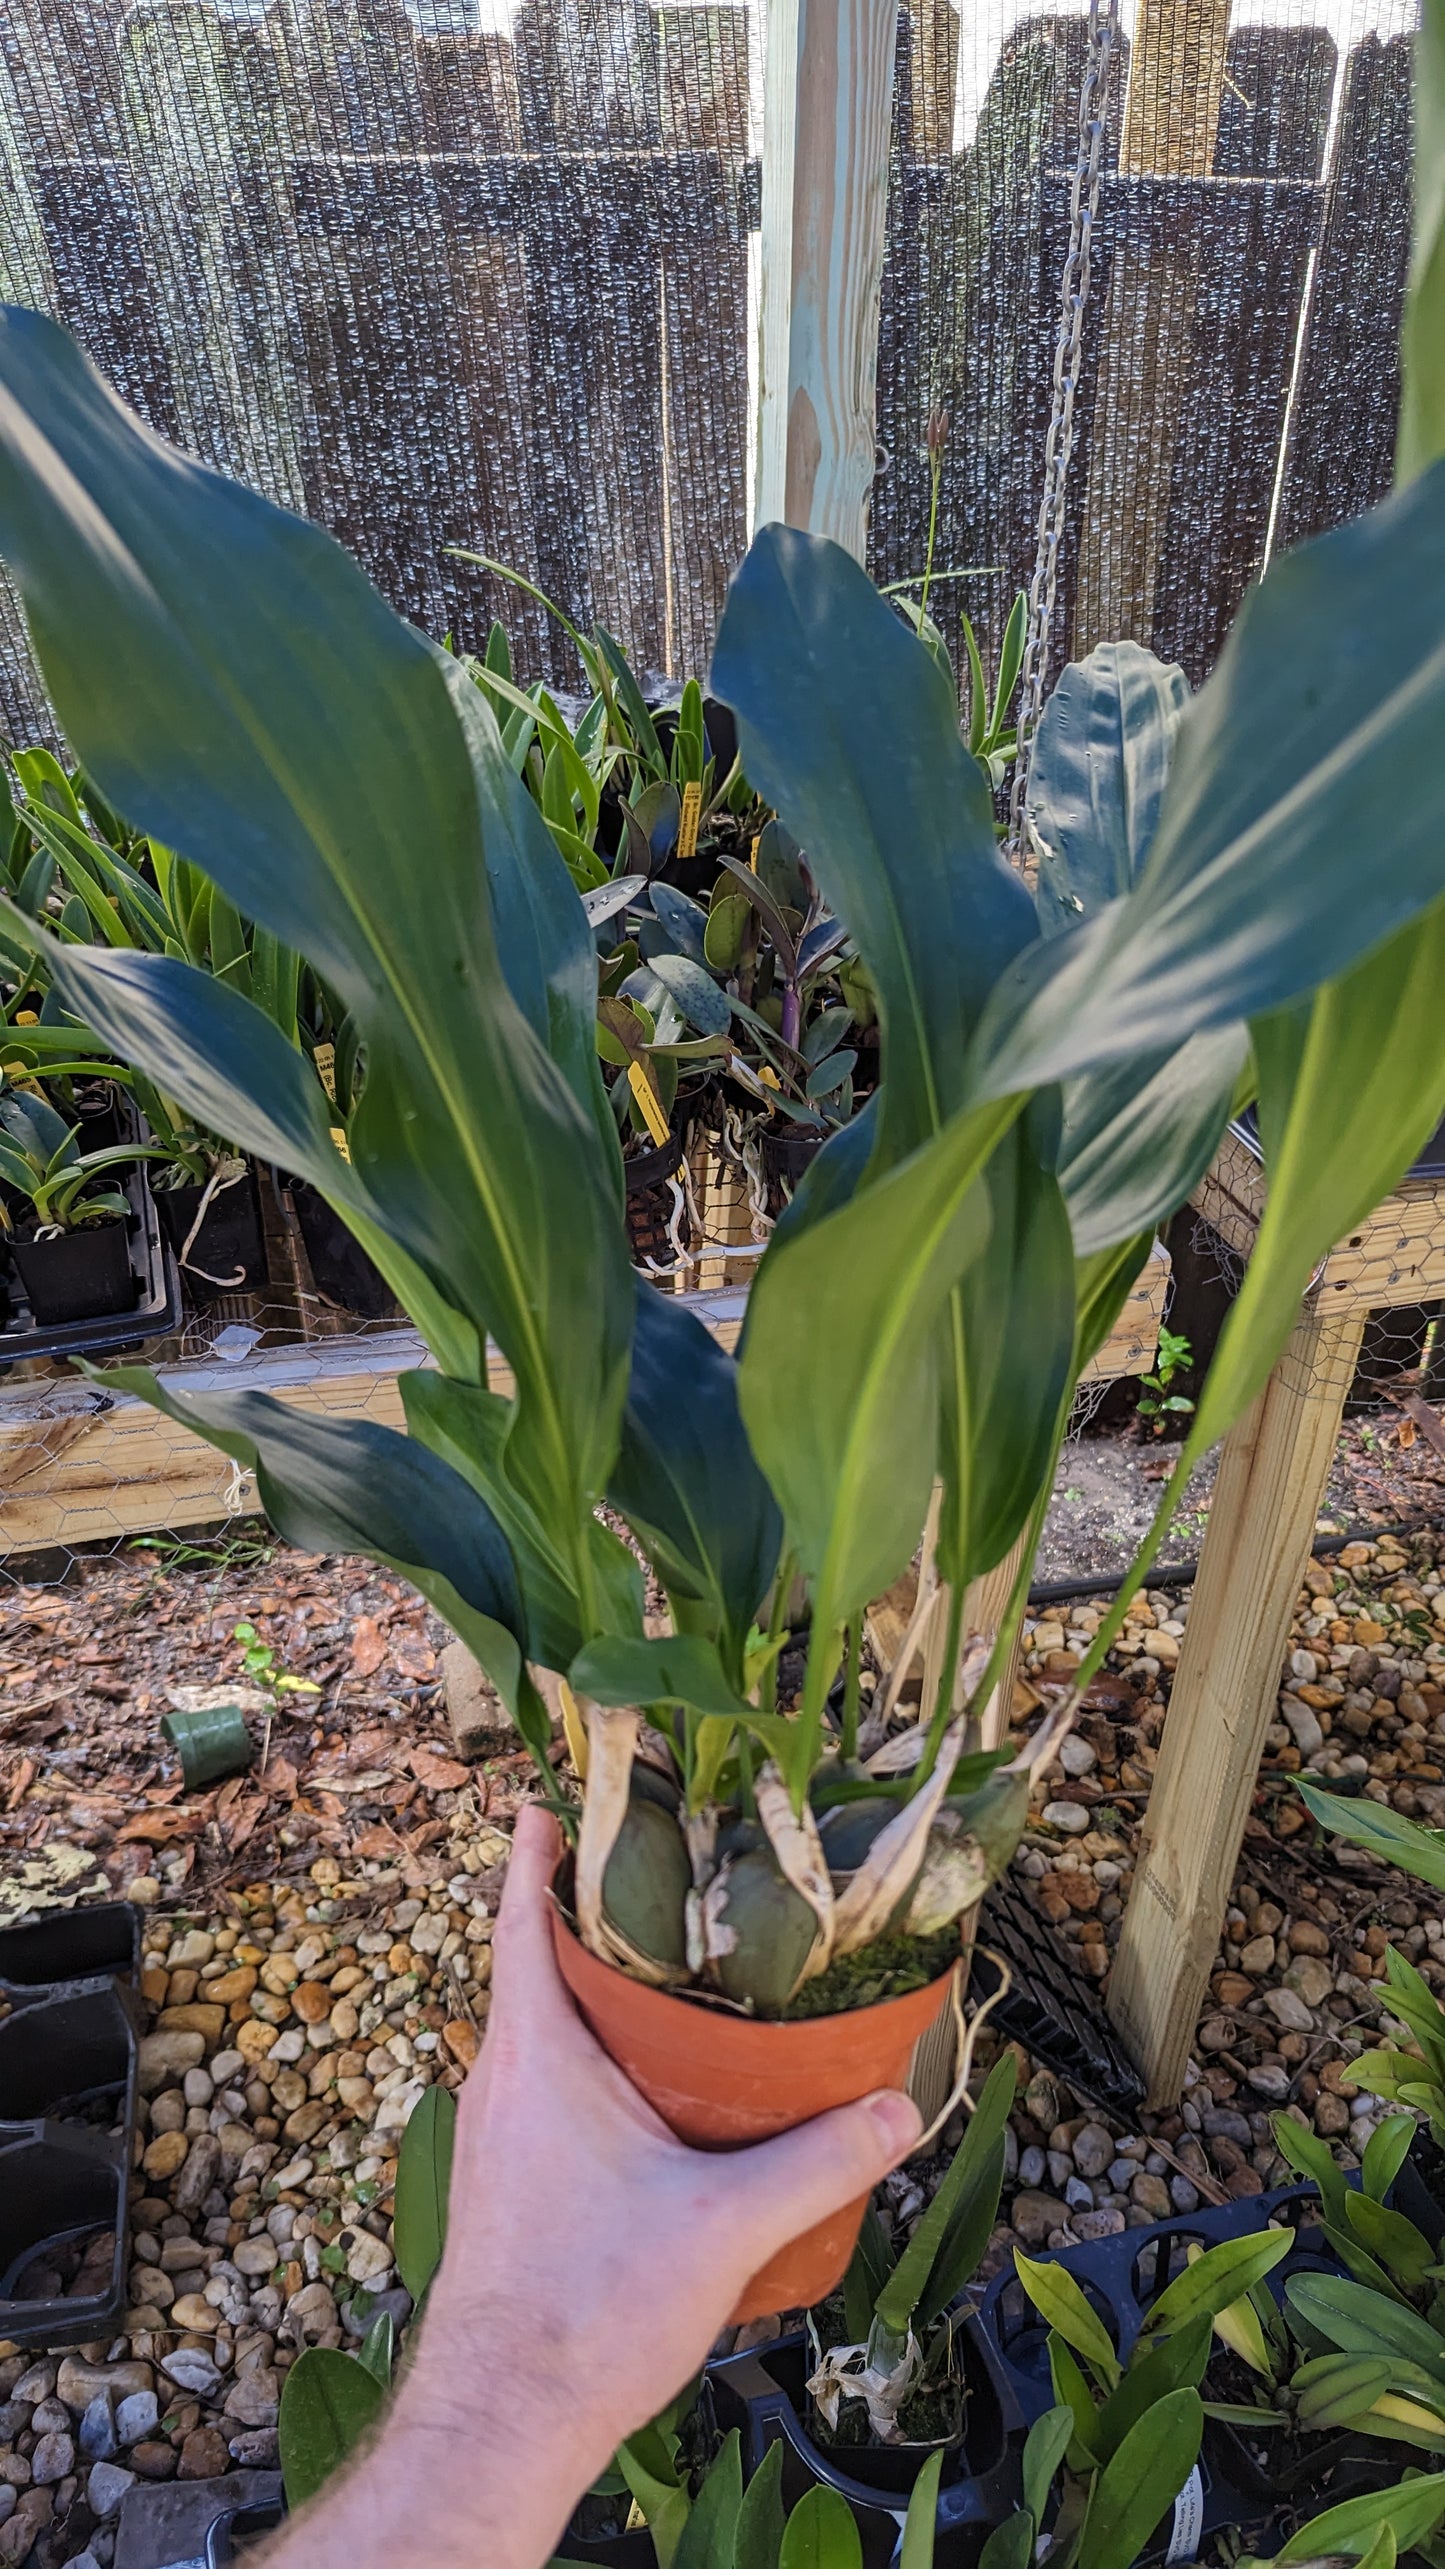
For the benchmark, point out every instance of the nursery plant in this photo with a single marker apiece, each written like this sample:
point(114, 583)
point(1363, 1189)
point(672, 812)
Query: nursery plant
point(1050, 1088)
point(886, 2361)
point(63, 1186)
point(1125, 2433)
point(1413, 2079)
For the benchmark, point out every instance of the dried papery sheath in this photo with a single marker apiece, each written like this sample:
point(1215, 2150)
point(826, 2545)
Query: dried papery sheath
point(799, 1850)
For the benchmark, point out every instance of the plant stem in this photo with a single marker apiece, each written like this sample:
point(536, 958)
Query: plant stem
point(935, 477)
point(851, 1687)
point(777, 1617)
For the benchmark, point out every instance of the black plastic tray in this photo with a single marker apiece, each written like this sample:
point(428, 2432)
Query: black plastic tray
point(155, 1311)
point(69, 2045)
point(1122, 2277)
point(1050, 2008)
point(764, 2394)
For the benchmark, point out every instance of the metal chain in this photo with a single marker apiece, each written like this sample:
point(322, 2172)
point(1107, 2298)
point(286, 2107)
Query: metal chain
point(1058, 452)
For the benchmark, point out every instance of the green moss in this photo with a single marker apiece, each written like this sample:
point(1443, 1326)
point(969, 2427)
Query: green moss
point(888, 1969)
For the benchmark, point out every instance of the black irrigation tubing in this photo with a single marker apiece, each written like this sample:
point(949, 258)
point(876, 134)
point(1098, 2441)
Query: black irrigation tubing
point(1182, 1574)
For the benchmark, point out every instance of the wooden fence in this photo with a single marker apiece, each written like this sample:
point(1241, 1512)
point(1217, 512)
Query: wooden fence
point(492, 290)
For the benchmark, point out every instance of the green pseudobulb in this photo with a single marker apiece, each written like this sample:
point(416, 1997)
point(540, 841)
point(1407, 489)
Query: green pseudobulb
point(775, 1931)
point(645, 1886)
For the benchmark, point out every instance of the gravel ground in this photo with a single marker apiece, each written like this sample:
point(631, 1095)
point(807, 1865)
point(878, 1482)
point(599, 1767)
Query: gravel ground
point(317, 1952)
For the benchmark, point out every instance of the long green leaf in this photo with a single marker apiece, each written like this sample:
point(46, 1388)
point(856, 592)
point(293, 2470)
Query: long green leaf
point(1139, 1135)
point(1361, 2322)
point(1045, 2445)
point(1412, 2511)
point(1215, 2280)
point(1060, 2300)
point(975, 2170)
point(761, 2521)
point(709, 2535)
point(329, 2404)
point(1146, 2474)
point(821, 2534)
point(1096, 777)
point(849, 728)
point(423, 2187)
point(1178, 2363)
point(352, 1485)
point(1324, 709)
point(1387, 1835)
point(838, 1379)
point(239, 690)
point(685, 1477)
point(916, 2549)
point(1365, 1064)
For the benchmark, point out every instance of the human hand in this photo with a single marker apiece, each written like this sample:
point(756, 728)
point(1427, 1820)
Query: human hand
point(592, 2258)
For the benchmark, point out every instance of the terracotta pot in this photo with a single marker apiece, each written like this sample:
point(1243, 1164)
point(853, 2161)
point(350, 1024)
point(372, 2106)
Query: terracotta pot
point(721, 2081)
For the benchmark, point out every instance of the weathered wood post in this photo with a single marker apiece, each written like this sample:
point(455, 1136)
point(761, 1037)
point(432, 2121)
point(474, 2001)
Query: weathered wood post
point(827, 116)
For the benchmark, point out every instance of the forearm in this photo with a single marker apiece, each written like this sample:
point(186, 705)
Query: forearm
point(471, 2470)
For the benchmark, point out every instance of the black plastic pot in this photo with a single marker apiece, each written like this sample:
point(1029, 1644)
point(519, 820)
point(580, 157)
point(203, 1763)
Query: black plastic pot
point(1235, 2488)
point(764, 2394)
point(228, 1252)
point(787, 1158)
point(237, 2530)
point(68, 2054)
point(342, 1270)
point(100, 1113)
point(1419, 2189)
point(78, 1275)
point(647, 1177)
point(210, 1744)
point(1056, 2015)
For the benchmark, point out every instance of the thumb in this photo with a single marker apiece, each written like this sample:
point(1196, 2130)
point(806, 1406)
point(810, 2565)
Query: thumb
point(782, 2187)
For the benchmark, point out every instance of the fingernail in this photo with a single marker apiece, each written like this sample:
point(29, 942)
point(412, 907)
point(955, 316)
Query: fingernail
point(898, 2119)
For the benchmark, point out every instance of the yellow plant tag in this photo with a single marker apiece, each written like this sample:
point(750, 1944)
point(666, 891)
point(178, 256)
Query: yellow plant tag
point(342, 1144)
point(691, 815)
point(574, 1726)
point(646, 1096)
point(325, 1060)
point(753, 851)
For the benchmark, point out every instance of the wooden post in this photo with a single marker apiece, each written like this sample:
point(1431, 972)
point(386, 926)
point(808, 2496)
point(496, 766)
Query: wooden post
point(1176, 84)
point(827, 116)
point(1272, 1475)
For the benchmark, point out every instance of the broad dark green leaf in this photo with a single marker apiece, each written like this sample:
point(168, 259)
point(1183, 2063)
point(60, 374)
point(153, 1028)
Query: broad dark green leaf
point(685, 1477)
point(1388, 1835)
point(1422, 330)
point(838, 1379)
point(1404, 2252)
point(329, 2404)
point(916, 2549)
point(239, 690)
point(1139, 1135)
point(849, 728)
point(1006, 1362)
point(1145, 2476)
point(973, 2178)
point(673, 1668)
point(1096, 777)
point(545, 941)
point(1362, 2322)
point(1324, 710)
point(761, 2521)
point(468, 1427)
point(352, 1485)
point(1412, 2511)
point(423, 2187)
point(710, 2532)
point(821, 2534)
